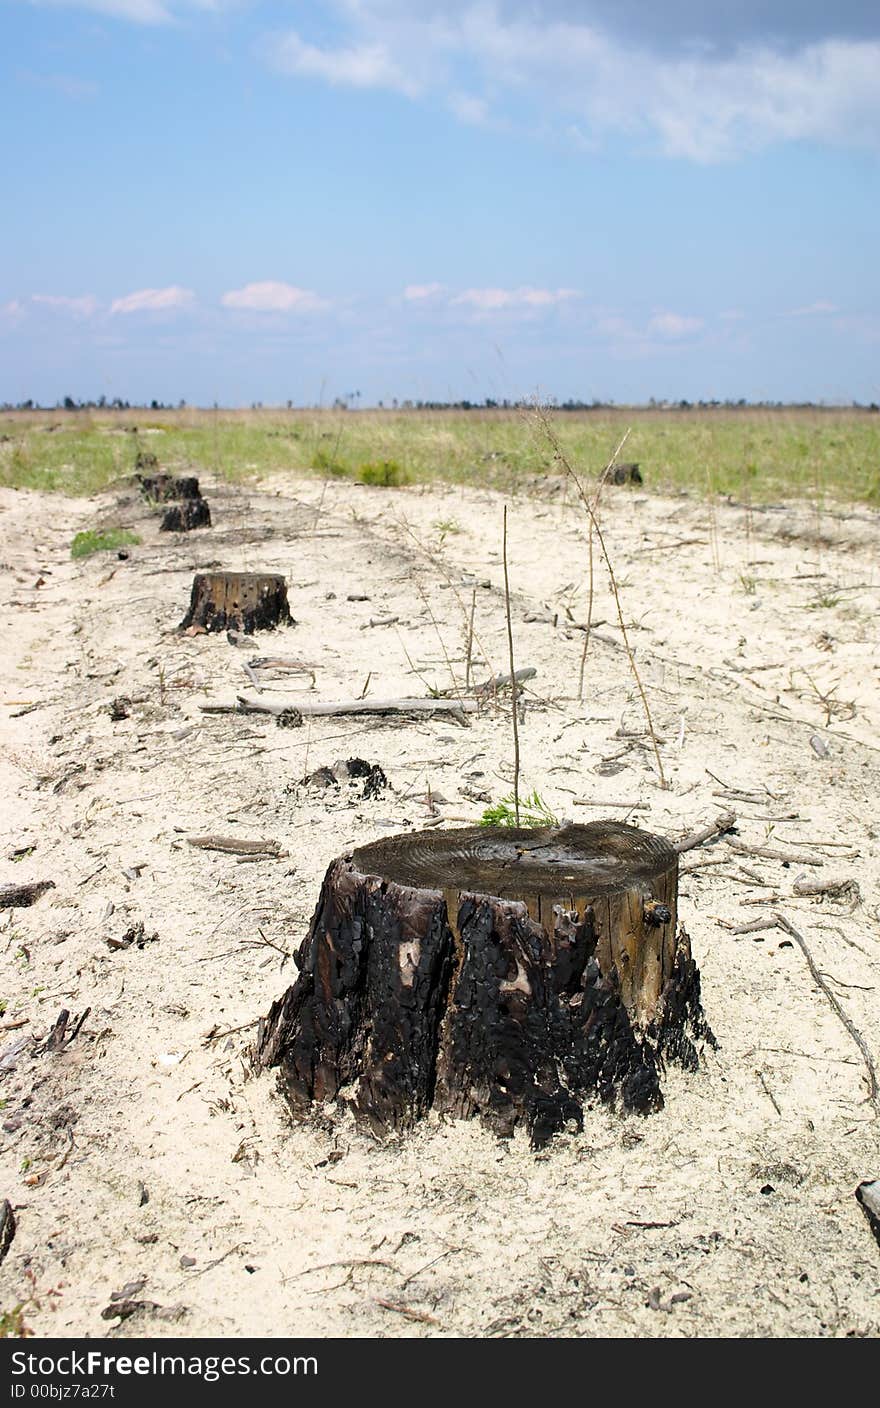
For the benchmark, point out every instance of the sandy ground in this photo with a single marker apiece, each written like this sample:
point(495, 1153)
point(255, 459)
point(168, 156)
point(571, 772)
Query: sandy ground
point(145, 1155)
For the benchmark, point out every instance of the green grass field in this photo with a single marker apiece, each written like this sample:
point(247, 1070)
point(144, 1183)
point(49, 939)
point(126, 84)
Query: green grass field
point(760, 455)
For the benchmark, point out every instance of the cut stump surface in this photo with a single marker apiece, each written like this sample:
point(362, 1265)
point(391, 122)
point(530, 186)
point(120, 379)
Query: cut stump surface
point(492, 971)
point(237, 601)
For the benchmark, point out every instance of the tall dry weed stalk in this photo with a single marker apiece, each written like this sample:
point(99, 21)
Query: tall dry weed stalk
point(513, 688)
point(595, 527)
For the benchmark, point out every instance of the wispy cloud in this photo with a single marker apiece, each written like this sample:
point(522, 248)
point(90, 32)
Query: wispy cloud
point(416, 293)
point(153, 300)
point(14, 310)
point(813, 310)
point(367, 65)
point(272, 297)
point(63, 83)
point(136, 11)
point(673, 325)
point(496, 300)
point(469, 109)
point(84, 307)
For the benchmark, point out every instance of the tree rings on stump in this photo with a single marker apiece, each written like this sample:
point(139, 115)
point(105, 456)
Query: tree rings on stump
point(239, 601)
point(490, 971)
point(189, 513)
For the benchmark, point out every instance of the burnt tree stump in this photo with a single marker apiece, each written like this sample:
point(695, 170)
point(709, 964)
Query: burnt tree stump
point(623, 473)
point(189, 513)
point(494, 972)
point(163, 487)
point(237, 601)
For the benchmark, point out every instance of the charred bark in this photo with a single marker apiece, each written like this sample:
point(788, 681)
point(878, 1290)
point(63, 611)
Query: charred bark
point(190, 513)
point(163, 487)
point(509, 974)
point(237, 601)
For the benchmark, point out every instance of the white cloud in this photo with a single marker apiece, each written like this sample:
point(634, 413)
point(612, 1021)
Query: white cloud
point(272, 297)
point(78, 307)
point(673, 325)
point(153, 300)
point(467, 108)
point(137, 11)
point(414, 293)
point(361, 66)
point(495, 300)
point(701, 102)
point(812, 310)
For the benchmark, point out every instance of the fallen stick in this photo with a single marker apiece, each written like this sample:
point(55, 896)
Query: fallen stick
point(354, 706)
point(770, 853)
point(853, 1030)
point(753, 927)
point(835, 889)
point(281, 662)
point(625, 806)
point(725, 821)
point(490, 687)
point(232, 846)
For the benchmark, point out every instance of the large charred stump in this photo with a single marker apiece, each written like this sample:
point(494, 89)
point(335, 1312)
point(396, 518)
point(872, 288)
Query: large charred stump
point(190, 513)
point(505, 973)
point(237, 601)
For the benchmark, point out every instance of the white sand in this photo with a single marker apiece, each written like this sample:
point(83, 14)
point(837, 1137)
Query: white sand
point(303, 1229)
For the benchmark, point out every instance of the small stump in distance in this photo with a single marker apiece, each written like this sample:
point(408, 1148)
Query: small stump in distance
point(489, 971)
point(237, 601)
point(163, 487)
point(189, 513)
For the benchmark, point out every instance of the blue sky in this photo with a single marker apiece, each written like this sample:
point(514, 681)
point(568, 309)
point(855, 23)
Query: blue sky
point(219, 200)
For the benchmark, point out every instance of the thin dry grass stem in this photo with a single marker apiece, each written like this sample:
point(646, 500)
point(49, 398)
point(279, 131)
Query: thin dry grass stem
point(467, 618)
point(713, 521)
point(470, 642)
point(456, 688)
point(513, 688)
point(603, 479)
point(630, 655)
point(430, 688)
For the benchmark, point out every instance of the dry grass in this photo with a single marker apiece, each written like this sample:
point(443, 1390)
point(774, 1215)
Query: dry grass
point(751, 455)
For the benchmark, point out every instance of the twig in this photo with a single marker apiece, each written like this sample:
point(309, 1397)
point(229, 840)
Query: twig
point(421, 1315)
point(516, 677)
point(234, 847)
point(587, 628)
point(551, 436)
point(725, 821)
point(768, 1092)
point(513, 680)
point(853, 1031)
point(753, 927)
point(624, 806)
point(770, 853)
point(355, 706)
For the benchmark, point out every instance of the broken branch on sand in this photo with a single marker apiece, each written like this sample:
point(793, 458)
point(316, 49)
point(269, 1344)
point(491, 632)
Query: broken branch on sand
point(853, 1031)
point(454, 707)
point(725, 821)
point(232, 846)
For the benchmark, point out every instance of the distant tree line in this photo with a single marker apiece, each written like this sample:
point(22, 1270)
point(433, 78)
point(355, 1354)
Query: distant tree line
point(351, 401)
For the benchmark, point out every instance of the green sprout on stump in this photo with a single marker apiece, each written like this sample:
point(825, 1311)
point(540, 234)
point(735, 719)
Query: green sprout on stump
point(533, 811)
